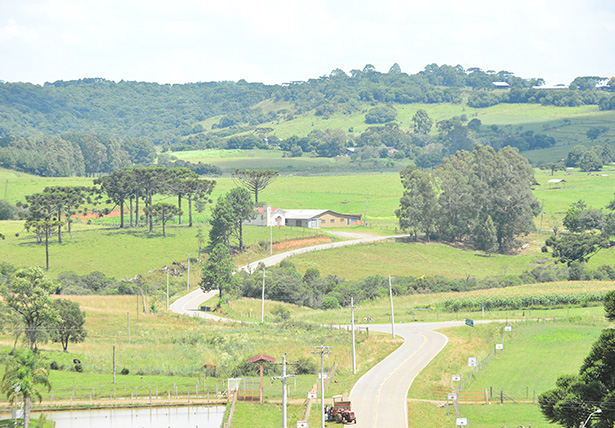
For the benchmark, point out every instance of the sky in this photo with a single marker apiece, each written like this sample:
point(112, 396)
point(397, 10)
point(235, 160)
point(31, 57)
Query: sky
point(277, 41)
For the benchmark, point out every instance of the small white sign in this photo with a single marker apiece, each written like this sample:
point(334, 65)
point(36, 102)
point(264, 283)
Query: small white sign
point(456, 378)
point(472, 362)
point(508, 328)
point(302, 424)
point(499, 346)
point(461, 422)
point(312, 395)
point(324, 375)
point(451, 396)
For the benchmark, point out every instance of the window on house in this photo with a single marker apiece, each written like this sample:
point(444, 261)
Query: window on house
point(332, 220)
point(322, 221)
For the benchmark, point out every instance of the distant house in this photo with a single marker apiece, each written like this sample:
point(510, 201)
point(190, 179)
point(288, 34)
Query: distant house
point(267, 216)
point(500, 85)
point(312, 219)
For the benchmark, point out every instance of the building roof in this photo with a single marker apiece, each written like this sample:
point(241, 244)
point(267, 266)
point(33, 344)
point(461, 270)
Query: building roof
point(500, 84)
point(556, 180)
point(303, 214)
point(261, 358)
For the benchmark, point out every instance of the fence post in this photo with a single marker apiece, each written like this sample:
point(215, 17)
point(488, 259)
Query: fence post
point(501, 397)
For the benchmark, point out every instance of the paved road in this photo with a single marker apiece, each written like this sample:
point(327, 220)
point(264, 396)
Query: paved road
point(189, 304)
point(379, 398)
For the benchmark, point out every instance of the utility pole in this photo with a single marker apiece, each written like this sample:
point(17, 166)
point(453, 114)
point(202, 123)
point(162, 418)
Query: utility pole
point(113, 364)
point(188, 281)
point(271, 239)
point(354, 352)
point(283, 378)
point(365, 216)
point(263, 299)
point(392, 315)
point(322, 350)
point(167, 269)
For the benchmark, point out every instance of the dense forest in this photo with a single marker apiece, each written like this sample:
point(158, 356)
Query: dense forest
point(94, 126)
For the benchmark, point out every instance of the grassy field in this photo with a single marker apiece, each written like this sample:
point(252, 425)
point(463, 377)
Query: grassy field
point(525, 367)
point(568, 125)
point(167, 353)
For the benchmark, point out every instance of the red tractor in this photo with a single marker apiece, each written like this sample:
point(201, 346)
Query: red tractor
point(341, 411)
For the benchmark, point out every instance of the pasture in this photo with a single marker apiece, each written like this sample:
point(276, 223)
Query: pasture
point(526, 367)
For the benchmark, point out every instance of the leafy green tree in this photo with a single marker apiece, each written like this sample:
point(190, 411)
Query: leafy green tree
point(381, 114)
point(590, 161)
point(572, 220)
point(596, 131)
point(24, 372)
point(217, 272)
point(7, 212)
point(575, 397)
point(222, 222)
point(255, 180)
point(29, 296)
point(70, 324)
point(485, 236)
point(241, 206)
point(163, 212)
point(457, 207)
point(574, 155)
point(609, 305)
point(553, 166)
point(575, 246)
point(418, 205)
point(421, 122)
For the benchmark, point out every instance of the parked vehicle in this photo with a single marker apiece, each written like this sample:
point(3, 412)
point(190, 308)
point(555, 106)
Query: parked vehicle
point(341, 411)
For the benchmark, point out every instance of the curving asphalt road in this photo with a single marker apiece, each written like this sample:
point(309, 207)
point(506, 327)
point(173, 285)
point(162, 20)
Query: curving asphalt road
point(380, 397)
point(190, 303)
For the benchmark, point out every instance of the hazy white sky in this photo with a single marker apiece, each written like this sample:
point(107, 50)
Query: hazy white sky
point(276, 41)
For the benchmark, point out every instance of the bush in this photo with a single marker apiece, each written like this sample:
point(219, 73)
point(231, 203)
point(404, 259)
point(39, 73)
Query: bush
point(78, 368)
point(54, 365)
point(124, 371)
point(281, 312)
point(305, 365)
point(330, 302)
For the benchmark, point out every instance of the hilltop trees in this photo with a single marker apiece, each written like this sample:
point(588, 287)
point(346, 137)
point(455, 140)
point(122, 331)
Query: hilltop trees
point(473, 187)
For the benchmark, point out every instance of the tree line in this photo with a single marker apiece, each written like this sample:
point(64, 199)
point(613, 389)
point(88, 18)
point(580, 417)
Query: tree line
point(131, 189)
point(172, 114)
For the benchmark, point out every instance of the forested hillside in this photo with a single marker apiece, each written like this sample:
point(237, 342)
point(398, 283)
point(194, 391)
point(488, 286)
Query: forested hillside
point(94, 126)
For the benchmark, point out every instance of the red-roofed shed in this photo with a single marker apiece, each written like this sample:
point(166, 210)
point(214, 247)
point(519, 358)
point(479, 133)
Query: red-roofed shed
point(261, 359)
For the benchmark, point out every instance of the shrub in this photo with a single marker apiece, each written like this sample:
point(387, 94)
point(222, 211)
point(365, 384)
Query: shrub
point(330, 302)
point(305, 365)
point(54, 365)
point(281, 312)
point(124, 371)
point(78, 368)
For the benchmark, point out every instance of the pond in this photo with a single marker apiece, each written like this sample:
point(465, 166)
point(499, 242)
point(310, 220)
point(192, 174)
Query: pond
point(158, 417)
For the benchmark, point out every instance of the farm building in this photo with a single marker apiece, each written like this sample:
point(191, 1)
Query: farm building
point(312, 219)
point(267, 216)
